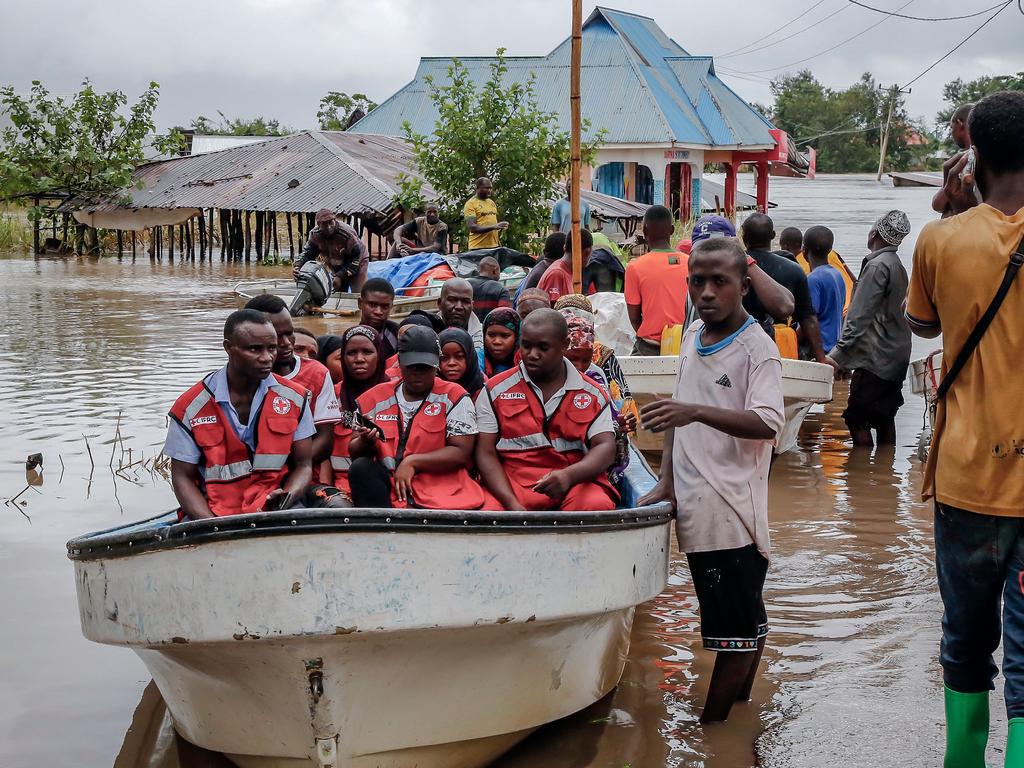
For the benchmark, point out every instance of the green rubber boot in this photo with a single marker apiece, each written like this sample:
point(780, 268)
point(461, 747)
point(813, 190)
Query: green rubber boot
point(967, 729)
point(1015, 743)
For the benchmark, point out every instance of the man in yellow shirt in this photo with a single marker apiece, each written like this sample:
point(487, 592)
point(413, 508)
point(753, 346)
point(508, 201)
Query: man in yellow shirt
point(975, 467)
point(482, 217)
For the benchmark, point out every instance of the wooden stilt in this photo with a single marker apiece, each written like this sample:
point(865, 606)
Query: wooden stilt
point(277, 248)
point(291, 241)
point(36, 248)
point(238, 235)
point(133, 245)
point(223, 236)
point(248, 236)
point(120, 242)
point(260, 229)
point(201, 227)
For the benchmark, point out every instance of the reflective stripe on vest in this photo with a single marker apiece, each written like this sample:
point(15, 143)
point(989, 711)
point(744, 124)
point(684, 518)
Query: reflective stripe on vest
point(265, 461)
point(223, 473)
point(381, 407)
point(506, 384)
point(524, 443)
point(195, 407)
point(566, 446)
point(343, 463)
point(389, 463)
point(288, 394)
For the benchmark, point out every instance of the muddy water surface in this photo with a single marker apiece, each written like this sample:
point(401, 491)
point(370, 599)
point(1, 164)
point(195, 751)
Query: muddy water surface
point(92, 346)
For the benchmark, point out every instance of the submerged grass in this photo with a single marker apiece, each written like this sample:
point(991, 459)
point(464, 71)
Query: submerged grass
point(15, 230)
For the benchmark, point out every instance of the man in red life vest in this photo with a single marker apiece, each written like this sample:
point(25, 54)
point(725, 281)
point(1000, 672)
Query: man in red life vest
point(546, 434)
point(417, 441)
point(240, 440)
point(307, 374)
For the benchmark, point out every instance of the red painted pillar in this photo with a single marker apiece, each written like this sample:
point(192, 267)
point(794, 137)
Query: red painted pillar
point(685, 191)
point(762, 186)
point(730, 189)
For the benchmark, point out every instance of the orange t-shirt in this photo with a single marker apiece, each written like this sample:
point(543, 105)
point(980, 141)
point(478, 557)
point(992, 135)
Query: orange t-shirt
point(656, 282)
point(976, 461)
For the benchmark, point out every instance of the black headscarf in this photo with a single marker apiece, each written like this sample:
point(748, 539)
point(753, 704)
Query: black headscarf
point(426, 319)
point(472, 380)
point(350, 389)
point(327, 344)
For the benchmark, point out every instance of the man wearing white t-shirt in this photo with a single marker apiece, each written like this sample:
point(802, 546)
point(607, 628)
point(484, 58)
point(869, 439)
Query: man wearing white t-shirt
point(720, 426)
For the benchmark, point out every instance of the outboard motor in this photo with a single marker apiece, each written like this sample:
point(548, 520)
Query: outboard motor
point(315, 283)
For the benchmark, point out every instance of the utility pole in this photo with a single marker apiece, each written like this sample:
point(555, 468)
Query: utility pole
point(574, 177)
point(893, 93)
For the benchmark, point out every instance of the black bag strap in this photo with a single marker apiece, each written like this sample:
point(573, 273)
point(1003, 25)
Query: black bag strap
point(1012, 268)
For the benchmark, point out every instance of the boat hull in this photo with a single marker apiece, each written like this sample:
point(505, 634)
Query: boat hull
point(803, 385)
point(397, 647)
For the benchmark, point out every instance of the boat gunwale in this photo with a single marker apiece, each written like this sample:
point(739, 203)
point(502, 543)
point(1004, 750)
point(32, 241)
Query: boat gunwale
point(117, 542)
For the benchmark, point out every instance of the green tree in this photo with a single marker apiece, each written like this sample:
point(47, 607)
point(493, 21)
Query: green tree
point(494, 129)
point(957, 92)
point(240, 126)
point(338, 111)
point(87, 146)
point(844, 126)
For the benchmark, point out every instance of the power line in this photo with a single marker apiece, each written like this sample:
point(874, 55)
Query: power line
point(952, 50)
point(834, 47)
point(838, 133)
point(789, 36)
point(925, 18)
point(761, 39)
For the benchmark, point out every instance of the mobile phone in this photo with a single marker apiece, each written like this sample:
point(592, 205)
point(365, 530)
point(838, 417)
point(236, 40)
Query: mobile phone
point(358, 420)
point(969, 165)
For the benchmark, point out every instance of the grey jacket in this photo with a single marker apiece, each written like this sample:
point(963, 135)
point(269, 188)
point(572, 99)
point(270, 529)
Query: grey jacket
point(875, 335)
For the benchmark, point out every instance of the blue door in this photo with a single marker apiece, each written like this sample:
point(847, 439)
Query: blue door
point(610, 179)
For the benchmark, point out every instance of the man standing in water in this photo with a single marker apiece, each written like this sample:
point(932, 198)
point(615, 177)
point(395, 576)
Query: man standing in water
point(875, 340)
point(343, 251)
point(481, 214)
point(239, 440)
point(719, 429)
point(974, 469)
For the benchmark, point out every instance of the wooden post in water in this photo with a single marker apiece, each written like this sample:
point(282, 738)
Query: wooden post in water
point(574, 182)
point(273, 226)
point(224, 239)
point(170, 243)
point(291, 241)
point(209, 232)
point(248, 236)
point(133, 245)
point(36, 249)
point(120, 242)
point(259, 232)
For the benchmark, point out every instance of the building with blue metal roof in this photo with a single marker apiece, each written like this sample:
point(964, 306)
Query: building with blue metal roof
point(664, 113)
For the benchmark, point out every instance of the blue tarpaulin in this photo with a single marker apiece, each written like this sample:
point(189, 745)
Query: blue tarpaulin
point(401, 273)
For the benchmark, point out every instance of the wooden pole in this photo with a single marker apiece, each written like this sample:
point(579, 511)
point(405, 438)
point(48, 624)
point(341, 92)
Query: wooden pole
point(170, 242)
point(885, 132)
point(120, 242)
point(273, 227)
point(574, 182)
point(201, 228)
point(224, 239)
point(36, 248)
point(259, 232)
point(248, 236)
point(133, 244)
point(291, 240)
point(209, 232)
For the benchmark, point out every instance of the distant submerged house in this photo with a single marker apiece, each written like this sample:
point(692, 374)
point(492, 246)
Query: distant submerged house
point(665, 113)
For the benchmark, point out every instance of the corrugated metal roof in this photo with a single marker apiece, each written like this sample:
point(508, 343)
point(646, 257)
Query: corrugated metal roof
point(302, 173)
point(637, 84)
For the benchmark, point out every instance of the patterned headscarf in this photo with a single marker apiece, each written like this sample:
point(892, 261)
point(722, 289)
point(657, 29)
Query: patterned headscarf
point(504, 316)
point(893, 227)
point(581, 331)
point(349, 389)
point(359, 330)
point(576, 305)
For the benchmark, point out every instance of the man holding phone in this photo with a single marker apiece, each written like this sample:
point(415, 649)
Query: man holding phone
point(412, 443)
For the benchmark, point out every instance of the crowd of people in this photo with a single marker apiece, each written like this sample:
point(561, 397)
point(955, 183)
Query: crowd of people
point(512, 403)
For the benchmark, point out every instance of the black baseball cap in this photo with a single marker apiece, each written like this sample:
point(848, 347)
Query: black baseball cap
point(419, 346)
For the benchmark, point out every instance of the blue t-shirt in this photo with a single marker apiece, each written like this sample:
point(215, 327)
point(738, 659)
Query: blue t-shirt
point(561, 214)
point(828, 294)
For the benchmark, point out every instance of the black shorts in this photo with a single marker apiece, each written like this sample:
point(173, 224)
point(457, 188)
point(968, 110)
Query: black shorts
point(729, 583)
point(873, 401)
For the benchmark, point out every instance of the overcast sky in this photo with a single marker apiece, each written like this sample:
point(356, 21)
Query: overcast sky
point(278, 57)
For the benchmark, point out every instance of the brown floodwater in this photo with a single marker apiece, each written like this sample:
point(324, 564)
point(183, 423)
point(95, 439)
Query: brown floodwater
point(90, 346)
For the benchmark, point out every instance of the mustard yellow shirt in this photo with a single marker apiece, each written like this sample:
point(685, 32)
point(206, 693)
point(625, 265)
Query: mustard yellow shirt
point(976, 461)
point(486, 214)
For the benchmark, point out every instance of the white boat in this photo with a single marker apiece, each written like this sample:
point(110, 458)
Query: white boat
point(803, 384)
point(375, 638)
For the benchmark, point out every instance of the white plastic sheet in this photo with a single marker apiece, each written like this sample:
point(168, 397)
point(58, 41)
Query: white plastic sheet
point(612, 326)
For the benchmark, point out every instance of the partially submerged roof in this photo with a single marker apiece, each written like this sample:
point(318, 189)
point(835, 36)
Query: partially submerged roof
point(352, 174)
point(637, 84)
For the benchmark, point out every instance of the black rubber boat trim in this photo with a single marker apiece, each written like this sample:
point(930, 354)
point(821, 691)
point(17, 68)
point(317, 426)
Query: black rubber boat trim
point(135, 538)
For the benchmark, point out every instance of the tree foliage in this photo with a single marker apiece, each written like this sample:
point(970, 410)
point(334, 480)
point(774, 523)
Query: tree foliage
point(845, 126)
point(240, 126)
point(494, 129)
point(338, 111)
point(86, 146)
point(957, 92)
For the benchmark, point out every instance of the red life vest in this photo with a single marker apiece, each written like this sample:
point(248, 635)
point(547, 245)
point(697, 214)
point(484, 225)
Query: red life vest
point(530, 444)
point(238, 480)
point(427, 432)
point(311, 376)
point(391, 368)
point(341, 461)
point(489, 366)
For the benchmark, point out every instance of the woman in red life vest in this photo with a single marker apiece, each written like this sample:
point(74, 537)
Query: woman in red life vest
point(501, 341)
point(546, 437)
point(240, 439)
point(363, 368)
point(415, 439)
point(459, 362)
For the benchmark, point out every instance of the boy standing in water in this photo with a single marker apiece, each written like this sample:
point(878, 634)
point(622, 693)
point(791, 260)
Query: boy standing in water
point(719, 430)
